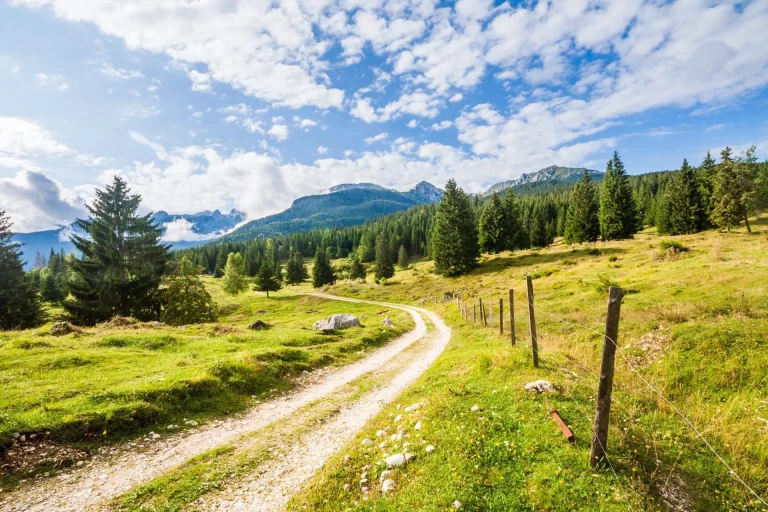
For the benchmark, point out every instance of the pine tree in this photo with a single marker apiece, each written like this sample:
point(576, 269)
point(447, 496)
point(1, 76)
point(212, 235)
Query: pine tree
point(221, 262)
point(266, 281)
point(296, 272)
point(19, 304)
point(683, 209)
point(707, 175)
point(727, 207)
point(356, 269)
point(582, 223)
point(618, 211)
point(122, 260)
point(539, 234)
point(52, 289)
point(383, 267)
point(322, 272)
point(455, 246)
point(402, 258)
point(495, 232)
point(234, 280)
point(517, 237)
point(186, 299)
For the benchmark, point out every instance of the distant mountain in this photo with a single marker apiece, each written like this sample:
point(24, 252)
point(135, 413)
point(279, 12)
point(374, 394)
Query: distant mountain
point(353, 186)
point(553, 174)
point(347, 205)
point(181, 230)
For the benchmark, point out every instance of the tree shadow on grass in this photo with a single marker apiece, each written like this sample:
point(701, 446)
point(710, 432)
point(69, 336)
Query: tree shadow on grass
point(499, 264)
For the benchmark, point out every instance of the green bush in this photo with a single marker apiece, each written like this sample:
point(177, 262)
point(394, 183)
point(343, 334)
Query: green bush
point(673, 246)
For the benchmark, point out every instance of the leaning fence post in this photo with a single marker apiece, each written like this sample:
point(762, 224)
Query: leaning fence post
point(532, 322)
point(501, 316)
point(605, 386)
point(512, 315)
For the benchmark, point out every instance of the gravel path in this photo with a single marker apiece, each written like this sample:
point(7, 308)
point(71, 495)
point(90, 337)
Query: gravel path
point(108, 476)
point(273, 484)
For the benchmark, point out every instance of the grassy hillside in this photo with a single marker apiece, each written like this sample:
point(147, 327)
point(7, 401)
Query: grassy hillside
point(107, 382)
point(693, 325)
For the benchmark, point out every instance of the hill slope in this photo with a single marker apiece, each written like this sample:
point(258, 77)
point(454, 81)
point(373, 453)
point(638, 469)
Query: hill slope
point(349, 205)
point(552, 175)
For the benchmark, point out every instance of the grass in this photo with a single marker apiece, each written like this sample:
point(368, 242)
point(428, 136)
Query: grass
point(108, 383)
point(694, 326)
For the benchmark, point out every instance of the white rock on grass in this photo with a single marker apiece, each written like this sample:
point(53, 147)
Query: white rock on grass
point(398, 418)
point(541, 386)
point(409, 457)
point(412, 407)
point(475, 408)
point(152, 435)
point(338, 321)
point(367, 442)
point(429, 449)
point(387, 486)
point(417, 426)
point(380, 433)
point(457, 504)
point(384, 475)
point(191, 423)
point(395, 461)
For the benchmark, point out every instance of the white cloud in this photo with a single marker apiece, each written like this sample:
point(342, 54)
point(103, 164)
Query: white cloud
point(55, 82)
point(140, 111)
point(321, 150)
point(456, 97)
point(714, 127)
point(413, 123)
point(442, 125)
point(279, 132)
point(34, 202)
point(23, 143)
point(180, 229)
point(200, 81)
point(114, 73)
point(377, 138)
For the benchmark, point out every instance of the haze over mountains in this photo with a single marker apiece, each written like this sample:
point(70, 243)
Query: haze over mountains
point(342, 205)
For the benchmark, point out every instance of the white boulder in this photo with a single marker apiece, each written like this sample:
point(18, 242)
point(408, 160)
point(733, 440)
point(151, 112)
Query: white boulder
point(338, 321)
point(387, 486)
point(395, 461)
point(540, 386)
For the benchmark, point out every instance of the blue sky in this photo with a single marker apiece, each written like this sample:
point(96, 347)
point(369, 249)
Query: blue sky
point(250, 104)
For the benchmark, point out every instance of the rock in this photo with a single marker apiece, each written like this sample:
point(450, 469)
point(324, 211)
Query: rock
point(409, 457)
point(364, 489)
point(388, 322)
point(412, 408)
point(23, 438)
point(395, 461)
point(380, 433)
point(417, 426)
point(79, 463)
point(398, 418)
point(338, 321)
point(62, 329)
point(32, 436)
point(540, 386)
point(367, 442)
point(384, 475)
point(475, 408)
point(152, 435)
point(16, 435)
point(258, 325)
point(120, 321)
point(429, 449)
point(387, 486)
point(457, 504)
point(363, 481)
point(155, 323)
point(172, 427)
point(191, 423)
point(346, 487)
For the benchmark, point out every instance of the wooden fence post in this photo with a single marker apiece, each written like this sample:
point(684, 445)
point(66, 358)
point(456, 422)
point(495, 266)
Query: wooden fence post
point(490, 311)
point(482, 312)
point(532, 322)
point(501, 316)
point(512, 315)
point(605, 386)
point(474, 313)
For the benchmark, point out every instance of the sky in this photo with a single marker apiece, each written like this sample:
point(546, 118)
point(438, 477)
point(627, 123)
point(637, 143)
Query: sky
point(249, 104)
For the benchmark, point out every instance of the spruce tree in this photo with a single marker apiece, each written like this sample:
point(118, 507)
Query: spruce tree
point(356, 269)
point(221, 261)
point(322, 272)
point(582, 223)
point(122, 260)
point(19, 304)
point(234, 281)
point(383, 267)
point(707, 175)
point(52, 290)
point(538, 230)
point(683, 209)
point(455, 246)
point(517, 237)
point(402, 258)
point(495, 233)
point(266, 280)
point(727, 207)
point(186, 299)
point(296, 272)
point(618, 211)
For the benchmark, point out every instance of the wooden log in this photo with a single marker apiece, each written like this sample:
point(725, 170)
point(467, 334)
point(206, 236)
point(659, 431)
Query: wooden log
point(563, 427)
point(532, 322)
point(605, 386)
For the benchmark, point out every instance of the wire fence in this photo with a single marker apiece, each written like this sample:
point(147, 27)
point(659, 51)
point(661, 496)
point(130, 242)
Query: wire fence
point(486, 319)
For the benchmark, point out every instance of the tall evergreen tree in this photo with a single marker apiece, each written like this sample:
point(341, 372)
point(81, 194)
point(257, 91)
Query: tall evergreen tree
point(234, 280)
point(618, 211)
point(122, 260)
point(402, 258)
point(356, 269)
point(383, 267)
point(495, 232)
point(19, 304)
point(727, 207)
point(186, 299)
point(221, 262)
point(540, 236)
point(517, 237)
point(455, 246)
point(322, 272)
point(296, 272)
point(266, 280)
point(683, 209)
point(582, 223)
point(707, 175)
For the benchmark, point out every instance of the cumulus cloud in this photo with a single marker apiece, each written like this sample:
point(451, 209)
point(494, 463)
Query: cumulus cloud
point(279, 132)
point(377, 138)
point(114, 73)
point(321, 150)
point(34, 202)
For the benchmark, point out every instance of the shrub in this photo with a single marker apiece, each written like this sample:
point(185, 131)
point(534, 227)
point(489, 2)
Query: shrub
point(674, 245)
point(603, 284)
point(613, 258)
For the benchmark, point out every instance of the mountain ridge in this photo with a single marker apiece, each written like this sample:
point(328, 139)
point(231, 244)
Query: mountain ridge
point(553, 173)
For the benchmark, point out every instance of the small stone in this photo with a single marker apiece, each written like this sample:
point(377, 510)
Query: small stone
point(540, 386)
point(384, 475)
point(16, 435)
point(382, 444)
point(398, 418)
point(387, 486)
point(32, 436)
point(417, 426)
point(363, 481)
point(152, 435)
point(172, 427)
point(457, 504)
point(409, 457)
point(23, 438)
point(364, 489)
point(367, 442)
point(475, 408)
point(380, 433)
point(412, 407)
point(429, 449)
point(396, 460)
point(346, 487)
point(79, 463)
point(191, 423)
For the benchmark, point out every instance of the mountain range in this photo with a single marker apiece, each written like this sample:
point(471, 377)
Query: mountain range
point(552, 174)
